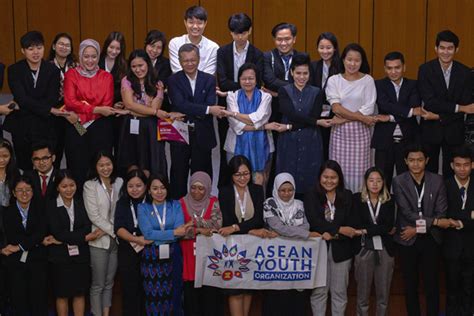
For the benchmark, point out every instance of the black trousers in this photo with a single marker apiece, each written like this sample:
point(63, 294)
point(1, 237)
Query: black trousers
point(80, 150)
point(285, 303)
point(389, 158)
point(421, 257)
point(183, 158)
point(28, 288)
point(459, 285)
point(433, 153)
point(132, 287)
point(204, 301)
point(60, 125)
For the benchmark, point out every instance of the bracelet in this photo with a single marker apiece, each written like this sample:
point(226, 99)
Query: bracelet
point(235, 114)
point(287, 127)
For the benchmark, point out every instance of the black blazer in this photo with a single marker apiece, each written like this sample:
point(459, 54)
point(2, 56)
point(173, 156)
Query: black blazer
point(458, 241)
point(194, 106)
point(225, 66)
point(30, 238)
point(387, 104)
point(227, 204)
point(2, 72)
point(274, 70)
point(163, 69)
point(35, 103)
point(342, 247)
point(123, 216)
point(117, 79)
point(385, 223)
point(438, 99)
point(50, 190)
point(317, 76)
point(59, 222)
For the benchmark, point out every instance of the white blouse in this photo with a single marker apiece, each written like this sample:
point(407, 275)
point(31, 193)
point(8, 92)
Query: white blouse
point(356, 96)
point(259, 119)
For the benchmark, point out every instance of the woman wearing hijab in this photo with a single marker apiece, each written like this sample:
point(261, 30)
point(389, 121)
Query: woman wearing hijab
point(89, 93)
point(285, 215)
point(202, 215)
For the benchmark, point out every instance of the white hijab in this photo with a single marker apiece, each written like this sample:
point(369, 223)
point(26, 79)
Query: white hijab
point(287, 210)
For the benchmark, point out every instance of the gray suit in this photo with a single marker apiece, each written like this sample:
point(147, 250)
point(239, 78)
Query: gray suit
point(434, 204)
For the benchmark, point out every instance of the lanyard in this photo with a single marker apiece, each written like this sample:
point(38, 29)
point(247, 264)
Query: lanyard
point(242, 204)
point(464, 199)
point(332, 207)
point(420, 196)
point(371, 210)
point(35, 76)
point(134, 215)
point(24, 216)
point(162, 222)
point(200, 216)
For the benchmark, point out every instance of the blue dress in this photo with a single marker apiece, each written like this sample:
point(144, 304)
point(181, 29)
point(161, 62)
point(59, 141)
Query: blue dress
point(300, 150)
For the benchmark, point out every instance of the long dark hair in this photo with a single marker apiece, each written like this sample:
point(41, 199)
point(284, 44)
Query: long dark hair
point(334, 166)
point(130, 175)
point(154, 36)
point(93, 175)
point(120, 63)
point(60, 176)
point(335, 67)
point(150, 78)
point(71, 60)
point(364, 67)
point(11, 170)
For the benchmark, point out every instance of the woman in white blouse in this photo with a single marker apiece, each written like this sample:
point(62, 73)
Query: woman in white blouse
point(101, 193)
point(249, 133)
point(352, 97)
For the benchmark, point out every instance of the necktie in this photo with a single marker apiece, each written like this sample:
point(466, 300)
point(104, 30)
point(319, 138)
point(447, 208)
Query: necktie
point(462, 191)
point(44, 184)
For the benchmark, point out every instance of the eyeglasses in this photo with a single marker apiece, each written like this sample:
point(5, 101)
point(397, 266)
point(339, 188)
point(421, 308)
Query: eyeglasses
point(41, 159)
point(18, 191)
point(241, 174)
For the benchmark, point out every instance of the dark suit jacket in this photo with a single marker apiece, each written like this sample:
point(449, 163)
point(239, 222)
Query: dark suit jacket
point(458, 241)
point(59, 226)
point(387, 104)
point(440, 100)
point(163, 69)
point(194, 106)
point(50, 190)
point(227, 204)
point(342, 247)
point(225, 66)
point(2, 72)
point(385, 223)
point(30, 238)
point(35, 103)
point(274, 70)
point(435, 204)
point(117, 79)
point(317, 76)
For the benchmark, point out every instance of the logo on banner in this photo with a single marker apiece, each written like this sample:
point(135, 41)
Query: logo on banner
point(229, 263)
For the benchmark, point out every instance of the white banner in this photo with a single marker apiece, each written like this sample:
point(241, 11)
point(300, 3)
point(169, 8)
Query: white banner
point(249, 262)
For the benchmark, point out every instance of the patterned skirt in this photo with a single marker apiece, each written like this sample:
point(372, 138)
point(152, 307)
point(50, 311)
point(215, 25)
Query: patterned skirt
point(349, 145)
point(162, 281)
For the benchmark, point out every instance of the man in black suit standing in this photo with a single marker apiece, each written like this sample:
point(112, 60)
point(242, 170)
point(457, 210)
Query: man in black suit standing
point(458, 245)
point(421, 199)
point(229, 59)
point(445, 89)
point(192, 92)
point(34, 84)
point(398, 103)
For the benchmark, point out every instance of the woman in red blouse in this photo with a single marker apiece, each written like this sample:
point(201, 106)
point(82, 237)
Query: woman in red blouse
point(89, 93)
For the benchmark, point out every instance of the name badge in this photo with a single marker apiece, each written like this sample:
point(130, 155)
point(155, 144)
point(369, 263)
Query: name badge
point(136, 247)
point(73, 250)
point(134, 126)
point(24, 256)
point(377, 241)
point(421, 226)
point(164, 251)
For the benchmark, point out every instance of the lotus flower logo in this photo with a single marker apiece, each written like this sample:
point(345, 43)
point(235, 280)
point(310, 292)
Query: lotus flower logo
point(229, 263)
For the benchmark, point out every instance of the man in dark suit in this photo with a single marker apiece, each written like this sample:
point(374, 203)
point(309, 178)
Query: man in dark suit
point(43, 173)
point(193, 93)
point(34, 84)
point(445, 88)
point(398, 103)
point(422, 204)
point(458, 245)
point(229, 59)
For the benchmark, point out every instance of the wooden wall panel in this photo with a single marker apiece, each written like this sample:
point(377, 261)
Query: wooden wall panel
point(167, 16)
point(340, 17)
point(268, 13)
point(219, 12)
point(456, 16)
point(399, 25)
point(20, 21)
point(7, 48)
point(99, 18)
point(139, 23)
point(366, 27)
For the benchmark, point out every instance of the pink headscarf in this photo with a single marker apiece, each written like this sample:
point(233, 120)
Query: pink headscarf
point(81, 69)
point(193, 205)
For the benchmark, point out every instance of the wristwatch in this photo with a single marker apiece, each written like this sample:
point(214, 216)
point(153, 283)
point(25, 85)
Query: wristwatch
point(235, 227)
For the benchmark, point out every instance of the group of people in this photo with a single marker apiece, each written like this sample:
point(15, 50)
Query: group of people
point(296, 132)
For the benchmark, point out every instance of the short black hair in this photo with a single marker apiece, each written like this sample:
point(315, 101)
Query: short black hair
point(415, 148)
point(31, 38)
point(394, 56)
point(197, 12)
point(364, 67)
point(462, 152)
point(130, 175)
point(334, 166)
point(164, 180)
point(300, 60)
point(248, 66)
point(284, 25)
point(42, 145)
point(239, 23)
point(188, 47)
point(155, 36)
point(237, 161)
point(447, 36)
point(93, 175)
